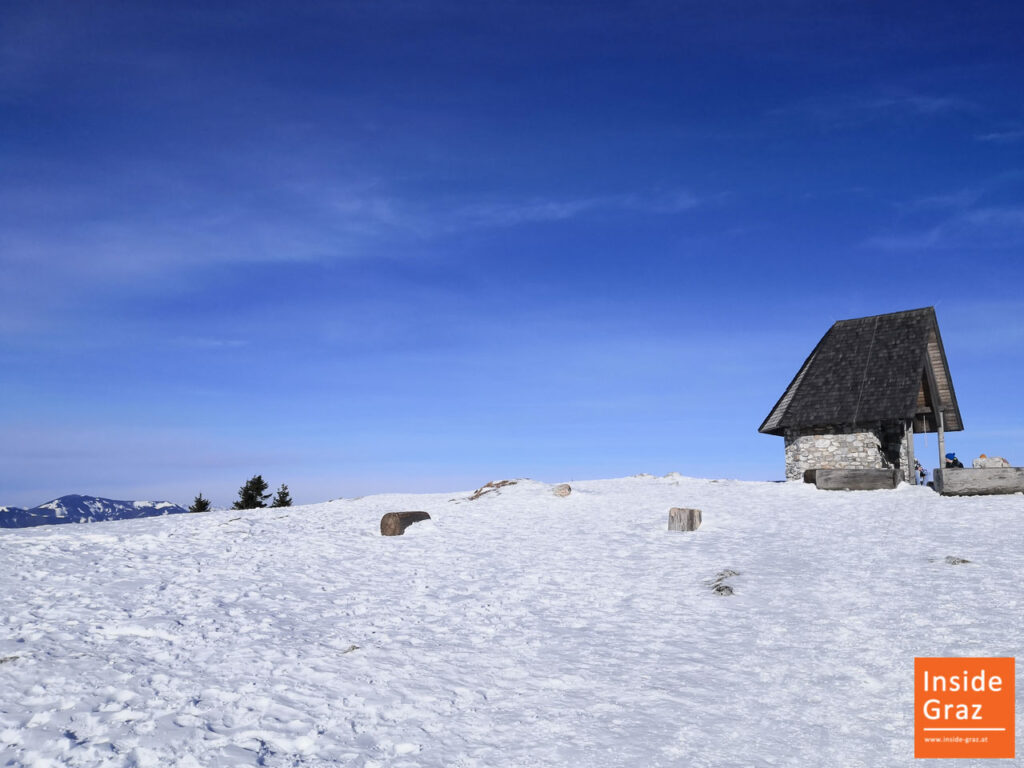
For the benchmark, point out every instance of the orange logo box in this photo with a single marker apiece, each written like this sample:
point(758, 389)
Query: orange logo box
point(964, 707)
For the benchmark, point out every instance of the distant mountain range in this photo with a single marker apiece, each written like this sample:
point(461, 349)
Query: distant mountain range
point(83, 509)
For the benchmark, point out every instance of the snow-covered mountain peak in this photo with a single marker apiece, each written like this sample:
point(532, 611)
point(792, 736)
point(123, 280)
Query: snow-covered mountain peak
point(75, 508)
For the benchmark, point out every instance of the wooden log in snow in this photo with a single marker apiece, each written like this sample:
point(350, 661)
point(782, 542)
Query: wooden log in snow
point(852, 479)
point(395, 523)
point(979, 482)
point(682, 519)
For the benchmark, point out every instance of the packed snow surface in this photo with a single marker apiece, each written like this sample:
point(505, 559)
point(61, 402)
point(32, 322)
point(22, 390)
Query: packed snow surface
point(516, 629)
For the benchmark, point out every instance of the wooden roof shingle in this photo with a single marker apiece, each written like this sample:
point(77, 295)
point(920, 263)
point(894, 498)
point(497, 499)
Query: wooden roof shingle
point(869, 369)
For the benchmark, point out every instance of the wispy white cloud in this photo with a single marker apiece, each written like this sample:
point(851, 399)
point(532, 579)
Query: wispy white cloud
point(982, 325)
point(858, 110)
point(920, 104)
point(908, 241)
point(210, 343)
point(1007, 218)
point(959, 200)
point(325, 225)
point(53, 244)
point(986, 215)
point(669, 202)
point(1002, 137)
point(989, 227)
point(367, 213)
point(371, 214)
point(511, 213)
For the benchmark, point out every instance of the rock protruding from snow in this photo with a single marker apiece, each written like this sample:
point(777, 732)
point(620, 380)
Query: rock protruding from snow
point(395, 523)
point(718, 585)
point(562, 490)
point(491, 487)
point(684, 519)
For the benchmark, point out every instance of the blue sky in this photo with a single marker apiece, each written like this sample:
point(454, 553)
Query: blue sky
point(389, 246)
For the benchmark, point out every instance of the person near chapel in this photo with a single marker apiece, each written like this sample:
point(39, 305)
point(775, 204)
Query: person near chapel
point(952, 462)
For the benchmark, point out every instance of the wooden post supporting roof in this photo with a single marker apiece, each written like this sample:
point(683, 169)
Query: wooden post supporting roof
point(938, 404)
point(908, 435)
point(942, 439)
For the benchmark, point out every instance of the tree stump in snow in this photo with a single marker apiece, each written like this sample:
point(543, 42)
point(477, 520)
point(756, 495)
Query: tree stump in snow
point(395, 523)
point(562, 489)
point(682, 519)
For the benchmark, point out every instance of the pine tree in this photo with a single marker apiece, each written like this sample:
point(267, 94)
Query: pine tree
point(200, 504)
point(252, 494)
point(282, 499)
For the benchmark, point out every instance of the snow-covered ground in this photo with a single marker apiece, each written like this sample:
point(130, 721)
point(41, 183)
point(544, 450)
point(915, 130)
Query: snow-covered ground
point(519, 629)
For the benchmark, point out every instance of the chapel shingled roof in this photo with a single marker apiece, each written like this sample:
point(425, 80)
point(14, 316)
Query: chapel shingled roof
point(878, 368)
